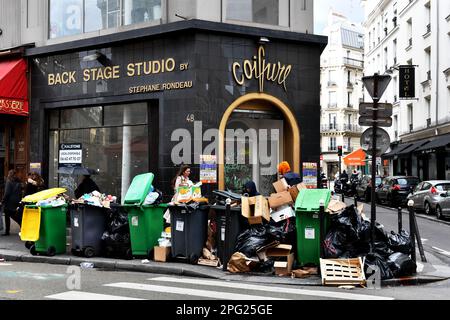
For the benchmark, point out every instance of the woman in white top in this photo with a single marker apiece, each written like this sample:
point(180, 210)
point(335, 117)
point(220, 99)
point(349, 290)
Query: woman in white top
point(182, 179)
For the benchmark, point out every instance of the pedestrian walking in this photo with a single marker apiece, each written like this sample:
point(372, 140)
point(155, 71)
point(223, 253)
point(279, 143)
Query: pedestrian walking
point(35, 183)
point(11, 199)
point(86, 186)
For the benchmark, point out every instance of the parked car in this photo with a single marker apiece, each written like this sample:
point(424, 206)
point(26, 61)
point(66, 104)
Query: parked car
point(395, 190)
point(443, 207)
point(364, 187)
point(429, 194)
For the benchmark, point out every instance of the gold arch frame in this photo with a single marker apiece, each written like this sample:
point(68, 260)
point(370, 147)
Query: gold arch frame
point(293, 132)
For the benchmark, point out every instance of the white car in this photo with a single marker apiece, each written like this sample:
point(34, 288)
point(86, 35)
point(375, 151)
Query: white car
point(429, 196)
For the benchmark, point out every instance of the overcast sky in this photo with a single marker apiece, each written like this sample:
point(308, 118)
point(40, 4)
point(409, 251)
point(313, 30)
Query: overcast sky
point(350, 8)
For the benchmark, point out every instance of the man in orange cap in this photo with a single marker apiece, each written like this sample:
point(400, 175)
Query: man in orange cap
point(292, 178)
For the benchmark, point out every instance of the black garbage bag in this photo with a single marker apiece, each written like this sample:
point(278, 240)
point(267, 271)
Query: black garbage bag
point(401, 265)
point(249, 241)
point(348, 221)
point(400, 242)
point(264, 266)
point(116, 238)
point(376, 267)
point(283, 231)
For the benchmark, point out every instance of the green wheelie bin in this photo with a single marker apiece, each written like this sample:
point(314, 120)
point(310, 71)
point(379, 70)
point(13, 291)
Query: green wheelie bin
point(307, 207)
point(51, 239)
point(146, 222)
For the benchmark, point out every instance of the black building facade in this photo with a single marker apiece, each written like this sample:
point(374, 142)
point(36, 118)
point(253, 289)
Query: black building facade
point(136, 100)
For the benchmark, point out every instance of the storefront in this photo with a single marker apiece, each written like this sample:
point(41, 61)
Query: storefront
point(152, 99)
point(13, 116)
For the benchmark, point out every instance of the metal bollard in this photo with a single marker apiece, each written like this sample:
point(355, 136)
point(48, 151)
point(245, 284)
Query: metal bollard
point(411, 230)
point(227, 252)
point(343, 196)
point(322, 225)
point(400, 221)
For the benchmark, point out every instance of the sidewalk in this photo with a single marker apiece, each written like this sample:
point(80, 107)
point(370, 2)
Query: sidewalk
point(13, 249)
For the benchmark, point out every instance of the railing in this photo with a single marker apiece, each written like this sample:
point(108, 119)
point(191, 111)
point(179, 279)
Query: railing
point(329, 127)
point(354, 62)
point(349, 105)
point(428, 29)
point(352, 128)
point(395, 98)
point(349, 85)
point(348, 149)
point(332, 105)
point(409, 43)
point(428, 75)
point(331, 83)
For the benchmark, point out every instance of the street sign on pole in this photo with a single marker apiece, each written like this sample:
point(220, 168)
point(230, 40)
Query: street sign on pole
point(376, 85)
point(381, 122)
point(367, 110)
point(383, 141)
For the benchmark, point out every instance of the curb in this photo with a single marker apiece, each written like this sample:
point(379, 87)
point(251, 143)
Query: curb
point(418, 215)
point(183, 271)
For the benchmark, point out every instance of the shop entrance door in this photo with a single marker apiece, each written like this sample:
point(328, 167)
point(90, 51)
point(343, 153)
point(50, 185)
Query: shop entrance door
point(257, 149)
point(6, 144)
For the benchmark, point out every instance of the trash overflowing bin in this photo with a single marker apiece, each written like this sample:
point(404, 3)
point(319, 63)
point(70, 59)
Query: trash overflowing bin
point(88, 223)
point(307, 207)
point(44, 223)
point(189, 224)
point(116, 238)
point(226, 236)
point(146, 222)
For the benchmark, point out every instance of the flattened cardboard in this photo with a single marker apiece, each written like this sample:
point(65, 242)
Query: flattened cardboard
point(282, 250)
point(335, 206)
point(161, 253)
point(255, 209)
point(280, 185)
point(280, 199)
point(207, 262)
point(282, 213)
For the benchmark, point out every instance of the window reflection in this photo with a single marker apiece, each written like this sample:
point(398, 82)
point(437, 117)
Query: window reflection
point(65, 18)
point(273, 12)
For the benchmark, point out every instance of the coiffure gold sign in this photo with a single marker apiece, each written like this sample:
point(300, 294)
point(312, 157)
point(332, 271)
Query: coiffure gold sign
point(259, 68)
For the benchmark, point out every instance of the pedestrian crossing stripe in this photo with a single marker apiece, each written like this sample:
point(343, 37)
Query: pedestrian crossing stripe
point(268, 289)
point(81, 295)
point(188, 291)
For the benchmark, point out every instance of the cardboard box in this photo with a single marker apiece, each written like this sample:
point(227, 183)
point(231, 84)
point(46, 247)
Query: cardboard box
point(281, 185)
point(294, 190)
point(282, 213)
point(255, 209)
point(161, 253)
point(283, 266)
point(280, 199)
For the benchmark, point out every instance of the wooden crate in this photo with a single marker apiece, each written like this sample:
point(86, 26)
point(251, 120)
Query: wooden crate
point(342, 272)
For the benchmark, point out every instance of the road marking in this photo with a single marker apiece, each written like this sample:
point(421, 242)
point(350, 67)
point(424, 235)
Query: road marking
point(441, 251)
point(188, 291)
point(13, 291)
point(424, 240)
point(81, 295)
point(5, 264)
point(236, 285)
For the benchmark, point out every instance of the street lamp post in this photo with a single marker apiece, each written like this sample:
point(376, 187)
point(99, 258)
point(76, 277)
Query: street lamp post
point(375, 85)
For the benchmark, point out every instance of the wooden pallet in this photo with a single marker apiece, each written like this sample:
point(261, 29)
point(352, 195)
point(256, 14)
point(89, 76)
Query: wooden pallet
point(342, 272)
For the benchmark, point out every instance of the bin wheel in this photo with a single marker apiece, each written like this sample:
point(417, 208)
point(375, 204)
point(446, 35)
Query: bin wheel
point(128, 254)
point(51, 251)
point(151, 254)
point(89, 252)
point(193, 258)
point(33, 250)
point(29, 244)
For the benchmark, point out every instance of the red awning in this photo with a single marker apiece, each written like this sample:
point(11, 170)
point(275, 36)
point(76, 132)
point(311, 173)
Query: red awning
point(13, 87)
point(356, 158)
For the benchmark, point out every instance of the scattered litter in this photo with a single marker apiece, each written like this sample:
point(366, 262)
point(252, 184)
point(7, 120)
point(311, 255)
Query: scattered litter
point(86, 265)
point(347, 287)
point(145, 261)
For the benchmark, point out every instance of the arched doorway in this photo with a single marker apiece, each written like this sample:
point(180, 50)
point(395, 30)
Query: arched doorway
point(246, 113)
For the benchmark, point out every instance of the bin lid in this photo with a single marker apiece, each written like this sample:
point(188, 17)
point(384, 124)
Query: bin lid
point(308, 200)
point(139, 189)
point(43, 195)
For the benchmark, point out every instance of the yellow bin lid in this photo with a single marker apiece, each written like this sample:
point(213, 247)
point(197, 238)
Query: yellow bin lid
point(42, 195)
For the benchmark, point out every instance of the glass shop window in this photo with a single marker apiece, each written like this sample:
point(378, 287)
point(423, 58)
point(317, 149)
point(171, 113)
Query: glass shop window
point(272, 12)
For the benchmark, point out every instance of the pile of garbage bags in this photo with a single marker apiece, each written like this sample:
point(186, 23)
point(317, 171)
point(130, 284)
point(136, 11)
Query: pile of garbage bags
point(349, 237)
point(116, 238)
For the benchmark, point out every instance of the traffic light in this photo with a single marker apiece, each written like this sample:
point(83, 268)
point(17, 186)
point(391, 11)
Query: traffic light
point(339, 151)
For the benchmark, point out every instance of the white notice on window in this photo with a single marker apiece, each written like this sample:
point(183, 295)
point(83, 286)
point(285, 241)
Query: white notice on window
point(222, 234)
point(75, 222)
point(310, 233)
point(180, 226)
point(135, 221)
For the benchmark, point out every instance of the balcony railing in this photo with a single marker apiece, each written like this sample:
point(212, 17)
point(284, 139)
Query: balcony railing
point(349, 105)
point(352, 128)
point(349, 85)
point(332, 105)
point(428, 75)
point(428, 30)
point(348, 149)
point(354, 63)
point(409, 43)
point(331, 127)
point(331, 83)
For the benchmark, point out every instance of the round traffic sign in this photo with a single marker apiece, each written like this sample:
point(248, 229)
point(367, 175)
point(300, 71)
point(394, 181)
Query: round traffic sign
point(383, 141)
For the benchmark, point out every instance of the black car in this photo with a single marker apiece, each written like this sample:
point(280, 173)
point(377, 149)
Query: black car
point(395, 190)
point(364, 187)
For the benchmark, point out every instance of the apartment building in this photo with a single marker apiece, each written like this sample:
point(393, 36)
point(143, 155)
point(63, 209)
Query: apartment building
point(120, 78)
point(413, 32)
point(341, 91)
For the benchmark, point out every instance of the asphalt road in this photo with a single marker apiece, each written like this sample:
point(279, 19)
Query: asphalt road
point(28, 281)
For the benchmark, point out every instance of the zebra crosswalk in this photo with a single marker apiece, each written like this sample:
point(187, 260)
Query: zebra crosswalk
point(182, 288)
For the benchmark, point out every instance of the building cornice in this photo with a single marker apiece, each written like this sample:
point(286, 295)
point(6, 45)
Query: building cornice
point(174, 27)
point(386, 38)
point(408, 6)
point(382, 4)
